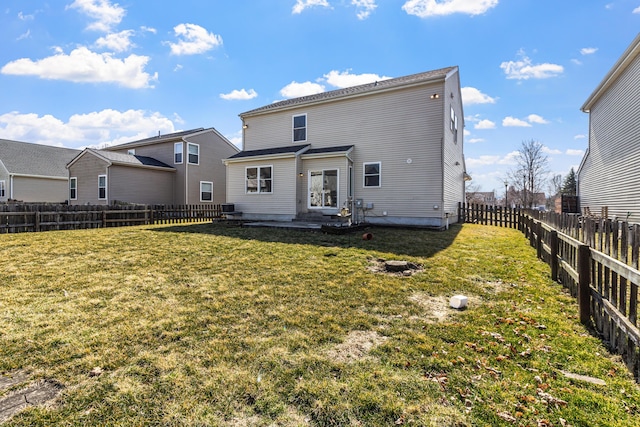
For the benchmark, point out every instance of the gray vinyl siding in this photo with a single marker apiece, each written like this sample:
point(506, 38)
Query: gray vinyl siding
point(143, 186)
point(453, 164)
point(86, 169)
point(389, 127)
point(610, 175)
point(39, 189)
point(280, 203)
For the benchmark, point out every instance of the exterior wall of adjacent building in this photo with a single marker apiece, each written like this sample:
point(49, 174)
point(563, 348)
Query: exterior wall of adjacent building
point(86, 169)
point(35, 189)
point(401, 128)
point(609, 175)
point(453, 141)
point(140, 185)
point(6, 180)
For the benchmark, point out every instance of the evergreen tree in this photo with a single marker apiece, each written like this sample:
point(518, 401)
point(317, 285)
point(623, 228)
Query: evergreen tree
point(569, 185)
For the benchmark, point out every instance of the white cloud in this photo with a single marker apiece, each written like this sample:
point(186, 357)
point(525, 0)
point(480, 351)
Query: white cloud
point(194, 39)
point(24, 35)
point(426, 8)
point(345, 79)
point(572, 152)
point(105, 15)
point(304, 4)
point(481, 161)
point(117, 42)
point(548, 150)
point(148, 29)
point(85, 66)
point(241, 94)
point(580, 136)
point(102, 128)
point(24, 17)
point(576, 61)
point(485, 124)
point(466, 132)
point(235, 138)
point(588, 50)
point(534, 118)
point(295, 89)
point(524, 69)
point(513, 122)
point(471, 95)
point(365, 8)
point(636, 10)
point(474, 140)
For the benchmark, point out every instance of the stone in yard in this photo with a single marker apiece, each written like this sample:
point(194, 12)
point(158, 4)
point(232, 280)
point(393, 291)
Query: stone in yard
point(458, 301)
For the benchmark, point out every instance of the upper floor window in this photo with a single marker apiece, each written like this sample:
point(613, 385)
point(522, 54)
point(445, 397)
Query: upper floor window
point(206, 191)
point(131, 151)
point(1, 188)
point(259, 179)
point(73, 188)
point(177, 153)
point(300, 128)
point(372, 174)
point(102, 187)
point(453, 124)
point(194, 154)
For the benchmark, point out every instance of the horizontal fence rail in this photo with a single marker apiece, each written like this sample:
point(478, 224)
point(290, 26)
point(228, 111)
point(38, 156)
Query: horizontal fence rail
point(596, 259)
point(22, 218)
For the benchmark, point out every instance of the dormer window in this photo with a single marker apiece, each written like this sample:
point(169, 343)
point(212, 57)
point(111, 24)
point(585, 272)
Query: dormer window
point(300, 128)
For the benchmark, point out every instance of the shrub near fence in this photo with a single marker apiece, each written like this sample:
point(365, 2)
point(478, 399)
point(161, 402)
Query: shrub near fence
point(21, 218)
point(590, 257)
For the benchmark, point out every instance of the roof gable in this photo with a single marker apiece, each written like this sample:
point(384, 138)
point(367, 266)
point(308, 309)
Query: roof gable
point(369, 88)
point(25, 158)
point(121, 159)
point(175, 136)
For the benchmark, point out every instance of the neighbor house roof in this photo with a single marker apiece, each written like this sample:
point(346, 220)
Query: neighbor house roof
point(381, 85)
point(125, 159)
point(625, 60)
point(28, 159)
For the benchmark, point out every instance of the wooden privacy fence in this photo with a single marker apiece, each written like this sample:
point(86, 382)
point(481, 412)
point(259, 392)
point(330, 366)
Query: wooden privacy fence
point(596, 260)
point(21, 218)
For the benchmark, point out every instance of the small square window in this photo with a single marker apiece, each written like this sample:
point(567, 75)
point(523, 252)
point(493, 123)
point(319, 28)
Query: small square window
point(131, 151)
point(259, 179)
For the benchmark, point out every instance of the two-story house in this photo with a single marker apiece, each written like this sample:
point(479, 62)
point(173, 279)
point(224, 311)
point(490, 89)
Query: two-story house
point(34, 173)
point(609, 175)
point(178, 168)
point(390, 151)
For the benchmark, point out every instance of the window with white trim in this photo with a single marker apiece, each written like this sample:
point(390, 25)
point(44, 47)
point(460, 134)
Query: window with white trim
point(177, 153)
point(453, 124)
point(73, 188)
point(131, 151)
point(2, 191)
point(300, 128)
point(102, 187)
point(206, 191)
point(193, 151)
point(371, 172)
point(259, 179)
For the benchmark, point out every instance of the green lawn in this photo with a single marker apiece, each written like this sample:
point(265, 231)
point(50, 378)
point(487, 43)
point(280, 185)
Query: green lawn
point(219, 325)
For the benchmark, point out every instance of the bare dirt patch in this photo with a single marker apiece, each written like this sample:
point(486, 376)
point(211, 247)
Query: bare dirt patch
point(356, 346)
point(38, 393)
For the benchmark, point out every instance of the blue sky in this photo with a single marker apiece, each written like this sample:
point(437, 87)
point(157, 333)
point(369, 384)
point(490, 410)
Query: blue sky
point(79, 73)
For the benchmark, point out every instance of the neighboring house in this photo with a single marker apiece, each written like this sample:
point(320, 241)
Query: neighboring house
point(178, 168)
point(34, 173)
point(482, 197)
point(390, 151)
point(609, 175)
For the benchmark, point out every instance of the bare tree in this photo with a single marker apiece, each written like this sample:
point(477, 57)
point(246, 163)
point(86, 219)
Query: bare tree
point(555, 185)
point(471, 190)
point(529, 175)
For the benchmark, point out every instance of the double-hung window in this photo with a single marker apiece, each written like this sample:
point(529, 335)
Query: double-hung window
point(177, 153)
point(300, 128)
point(259, 179)
point(102, 187)
point(73, 188)
point(206, 191)
point(193, 153)
point(372, 177)
point(2, 191)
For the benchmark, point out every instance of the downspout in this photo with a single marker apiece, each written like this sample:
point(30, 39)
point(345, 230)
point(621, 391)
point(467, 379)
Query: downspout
point(185, 151)
point(11, 186)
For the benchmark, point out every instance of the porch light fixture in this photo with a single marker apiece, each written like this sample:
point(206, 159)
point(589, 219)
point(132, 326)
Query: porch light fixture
point(245, 126)
point(300, 174)
point(435, 96)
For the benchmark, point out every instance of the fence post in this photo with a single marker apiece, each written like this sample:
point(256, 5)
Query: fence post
point(539, 239)
point(553, 242)
point(104, 219)
point(36, 221)
point(584, 283)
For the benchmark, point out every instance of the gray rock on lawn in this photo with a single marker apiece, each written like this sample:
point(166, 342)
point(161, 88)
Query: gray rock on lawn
point(399, 266)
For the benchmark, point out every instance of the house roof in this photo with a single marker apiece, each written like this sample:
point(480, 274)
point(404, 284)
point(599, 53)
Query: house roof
point(327, 150)
point(24, 158)
point(124, 159)
point(271, 152)
point(381, 85)
point(629, 55)
point(157, 139)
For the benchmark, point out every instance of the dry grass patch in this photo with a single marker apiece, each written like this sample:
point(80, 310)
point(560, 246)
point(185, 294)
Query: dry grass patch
point(356, 346)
